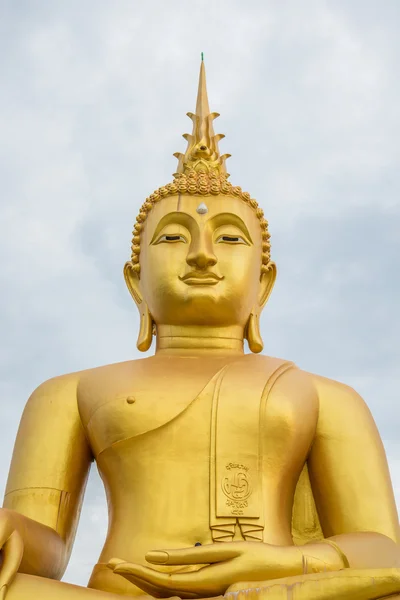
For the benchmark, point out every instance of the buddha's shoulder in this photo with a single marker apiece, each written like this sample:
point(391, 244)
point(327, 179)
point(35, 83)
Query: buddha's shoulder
point(338, 401)
point(333, 391)
point(329, 393)
point(68, 385)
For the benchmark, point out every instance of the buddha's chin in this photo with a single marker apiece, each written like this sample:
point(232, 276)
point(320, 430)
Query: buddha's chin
point(204, 299)
point(205, 306)
point(192, 305)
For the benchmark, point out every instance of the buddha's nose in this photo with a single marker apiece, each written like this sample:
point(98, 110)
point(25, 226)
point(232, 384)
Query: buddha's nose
point(201, 257)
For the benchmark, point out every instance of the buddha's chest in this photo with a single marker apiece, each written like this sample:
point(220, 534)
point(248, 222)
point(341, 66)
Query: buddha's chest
point(147, 402)
point(133, 416)
point(174, 404)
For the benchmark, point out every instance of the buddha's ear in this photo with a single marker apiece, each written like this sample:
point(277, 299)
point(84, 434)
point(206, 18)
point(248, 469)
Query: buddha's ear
point(252, 330)
point(132, 281)
point(267, 282)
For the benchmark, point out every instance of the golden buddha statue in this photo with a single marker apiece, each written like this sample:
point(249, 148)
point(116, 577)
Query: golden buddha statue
point(226, 473)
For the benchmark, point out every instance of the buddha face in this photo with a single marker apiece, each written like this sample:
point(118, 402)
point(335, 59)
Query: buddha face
point(201, 268)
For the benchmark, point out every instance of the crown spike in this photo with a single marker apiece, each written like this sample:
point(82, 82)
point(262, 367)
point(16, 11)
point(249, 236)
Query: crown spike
point(202, 106)
point(202, 153)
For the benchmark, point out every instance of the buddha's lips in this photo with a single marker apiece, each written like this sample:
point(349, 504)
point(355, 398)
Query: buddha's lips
point(200, 278)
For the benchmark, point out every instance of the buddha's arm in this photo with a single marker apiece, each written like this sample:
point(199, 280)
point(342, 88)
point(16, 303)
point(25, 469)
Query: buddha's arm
point(350, 480)
point(47, 477)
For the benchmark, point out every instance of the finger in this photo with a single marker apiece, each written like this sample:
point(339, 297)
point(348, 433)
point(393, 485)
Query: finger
point(205, 582)
point(113, 562)
point(208, 554)
point(141, 583)
point(145, 573)
point(159, 592)
point(146, 586)
point(188, 568)
point(12, 551)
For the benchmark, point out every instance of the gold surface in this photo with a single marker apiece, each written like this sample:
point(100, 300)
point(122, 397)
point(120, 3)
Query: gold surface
point(225, 473)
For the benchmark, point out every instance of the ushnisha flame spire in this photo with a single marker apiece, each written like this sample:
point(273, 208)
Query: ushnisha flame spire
point(202, 153)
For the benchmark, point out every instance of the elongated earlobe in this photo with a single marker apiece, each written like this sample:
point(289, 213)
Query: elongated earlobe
point(252, 330)
point(253, 334)
point(145, 336)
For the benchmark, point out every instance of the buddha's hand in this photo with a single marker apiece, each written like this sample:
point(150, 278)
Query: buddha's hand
point(210, 569)
point(11, 550)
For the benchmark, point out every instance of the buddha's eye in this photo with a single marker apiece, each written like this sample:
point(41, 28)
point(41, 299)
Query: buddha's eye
point(231, 239)
point(171, 238)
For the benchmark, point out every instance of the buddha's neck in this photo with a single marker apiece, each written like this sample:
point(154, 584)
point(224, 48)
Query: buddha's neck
point(199, 340)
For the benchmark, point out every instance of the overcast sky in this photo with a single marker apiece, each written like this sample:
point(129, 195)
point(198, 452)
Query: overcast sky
point(92, 106)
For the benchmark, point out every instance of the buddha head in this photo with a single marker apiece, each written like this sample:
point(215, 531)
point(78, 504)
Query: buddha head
point(200, 249)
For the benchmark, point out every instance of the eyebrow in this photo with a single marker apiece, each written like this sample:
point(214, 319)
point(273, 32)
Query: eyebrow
point(180, 218)
point(232, 219)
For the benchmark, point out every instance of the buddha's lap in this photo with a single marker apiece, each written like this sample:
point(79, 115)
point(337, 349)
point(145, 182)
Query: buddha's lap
point(349, 584)
point(27, 587)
